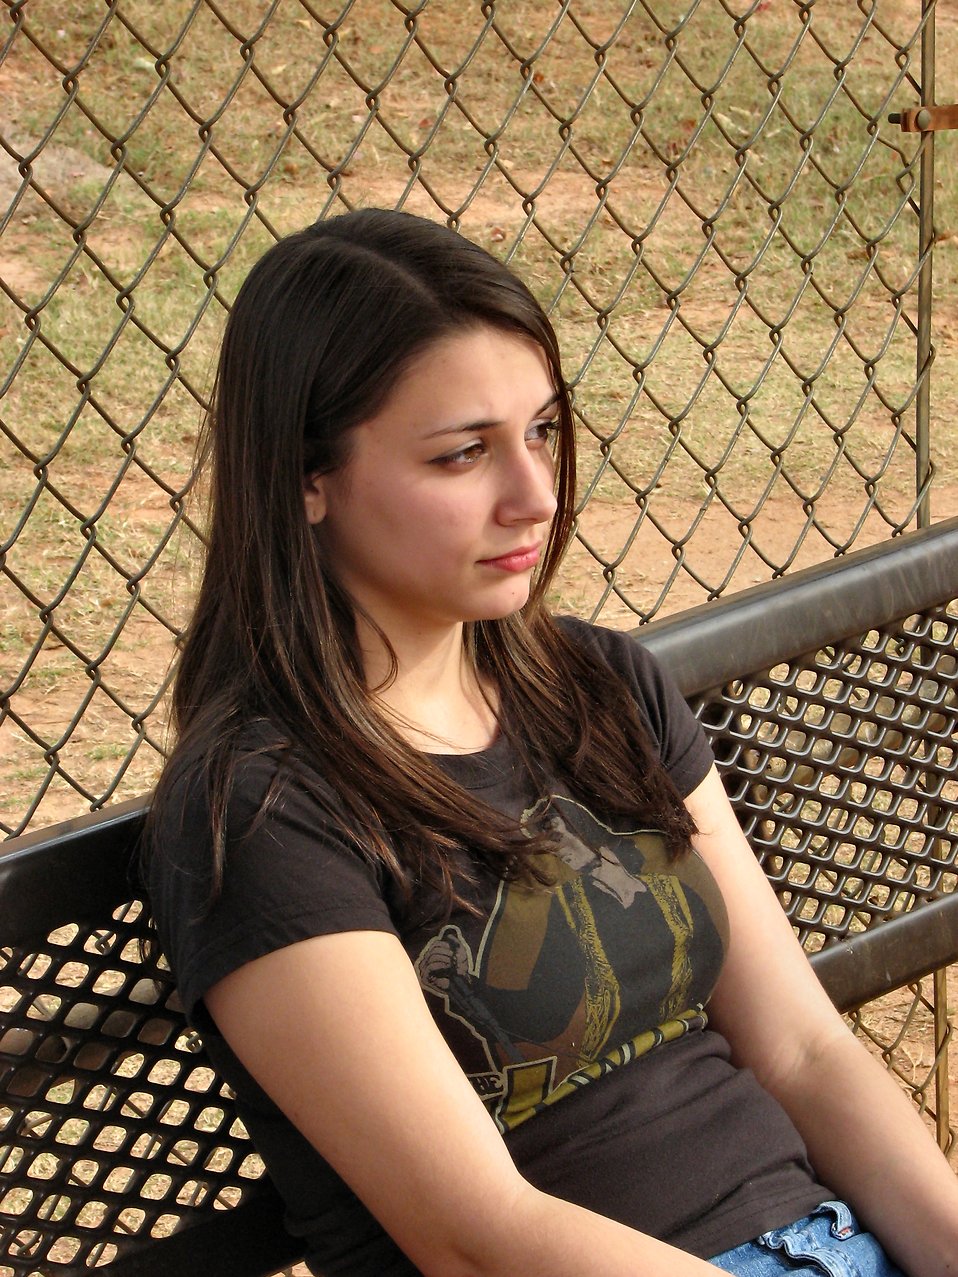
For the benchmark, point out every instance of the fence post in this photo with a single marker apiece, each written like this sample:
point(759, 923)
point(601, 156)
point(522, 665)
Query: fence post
point(925, 355)
point(926, 240)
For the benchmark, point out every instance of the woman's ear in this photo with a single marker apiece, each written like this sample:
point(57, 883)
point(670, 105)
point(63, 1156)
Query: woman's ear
point(314, 495)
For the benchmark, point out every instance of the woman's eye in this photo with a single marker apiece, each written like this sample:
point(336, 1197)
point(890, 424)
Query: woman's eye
point(539, 434)
point(462, 456)
point(544, 431)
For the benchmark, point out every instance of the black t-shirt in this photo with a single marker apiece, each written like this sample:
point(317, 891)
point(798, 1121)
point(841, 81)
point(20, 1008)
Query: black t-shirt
point(577, 1010)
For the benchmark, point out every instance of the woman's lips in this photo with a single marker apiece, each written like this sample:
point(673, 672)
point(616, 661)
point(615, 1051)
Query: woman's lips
point(516, 560)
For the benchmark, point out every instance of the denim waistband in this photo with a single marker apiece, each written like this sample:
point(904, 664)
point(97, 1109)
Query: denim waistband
point(829, 1241)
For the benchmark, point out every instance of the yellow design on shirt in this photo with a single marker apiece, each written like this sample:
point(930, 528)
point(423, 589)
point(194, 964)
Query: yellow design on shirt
point(670, 897)
point(602, 996)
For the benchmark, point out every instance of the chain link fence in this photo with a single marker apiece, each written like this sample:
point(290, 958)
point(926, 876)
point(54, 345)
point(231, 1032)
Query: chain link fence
point(705, 194)
point(707, 197)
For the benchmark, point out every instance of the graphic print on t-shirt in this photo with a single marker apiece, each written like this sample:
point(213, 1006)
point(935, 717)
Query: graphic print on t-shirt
point(566, 982)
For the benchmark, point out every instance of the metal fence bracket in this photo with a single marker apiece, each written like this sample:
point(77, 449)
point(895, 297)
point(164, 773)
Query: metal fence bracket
point(926, 119)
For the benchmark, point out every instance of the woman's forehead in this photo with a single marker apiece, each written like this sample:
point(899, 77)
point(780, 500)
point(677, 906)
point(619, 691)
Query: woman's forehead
point(471, 379)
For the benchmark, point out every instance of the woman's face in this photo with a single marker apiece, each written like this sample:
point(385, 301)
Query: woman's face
point(441, 512)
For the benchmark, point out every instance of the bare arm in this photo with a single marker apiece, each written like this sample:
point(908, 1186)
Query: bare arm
point(864, 1138)
point(337, 1031)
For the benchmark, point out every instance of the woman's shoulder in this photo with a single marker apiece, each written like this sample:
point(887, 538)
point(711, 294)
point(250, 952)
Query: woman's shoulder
point(262, 864)
point(622, 650)
point(254, 755)
point(676, 735)
point(588, 633)
point(246, 786)
point(255, 751)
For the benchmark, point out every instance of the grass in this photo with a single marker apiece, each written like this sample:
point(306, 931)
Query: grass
point(708, 205)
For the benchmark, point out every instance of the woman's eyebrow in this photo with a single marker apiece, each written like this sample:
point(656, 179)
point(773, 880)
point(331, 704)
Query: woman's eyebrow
point(467, 426)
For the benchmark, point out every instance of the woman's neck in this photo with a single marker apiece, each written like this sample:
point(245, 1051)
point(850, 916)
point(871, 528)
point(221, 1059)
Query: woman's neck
point(436, 700)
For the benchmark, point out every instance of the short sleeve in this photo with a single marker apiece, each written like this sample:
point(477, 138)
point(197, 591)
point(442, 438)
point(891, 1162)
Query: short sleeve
point(676, 734)
point(289, 875)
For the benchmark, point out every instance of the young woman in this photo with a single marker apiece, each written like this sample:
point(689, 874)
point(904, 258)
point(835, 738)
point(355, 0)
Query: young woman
point(447, 882)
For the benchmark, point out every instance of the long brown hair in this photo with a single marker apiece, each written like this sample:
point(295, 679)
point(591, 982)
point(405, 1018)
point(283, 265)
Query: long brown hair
point(319, 334)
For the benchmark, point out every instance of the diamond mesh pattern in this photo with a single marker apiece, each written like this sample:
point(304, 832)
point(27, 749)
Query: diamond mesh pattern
point(708, 198)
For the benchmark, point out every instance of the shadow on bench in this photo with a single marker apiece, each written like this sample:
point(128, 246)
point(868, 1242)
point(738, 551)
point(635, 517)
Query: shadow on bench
point(831, 700)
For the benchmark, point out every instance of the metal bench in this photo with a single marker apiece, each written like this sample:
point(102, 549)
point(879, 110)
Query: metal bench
point(831, 698)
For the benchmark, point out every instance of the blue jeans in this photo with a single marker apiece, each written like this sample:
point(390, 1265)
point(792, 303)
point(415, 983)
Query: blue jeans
point(827, 1241)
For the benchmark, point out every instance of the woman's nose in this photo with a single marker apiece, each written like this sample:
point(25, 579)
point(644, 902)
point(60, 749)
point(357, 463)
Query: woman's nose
point(528, 494)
